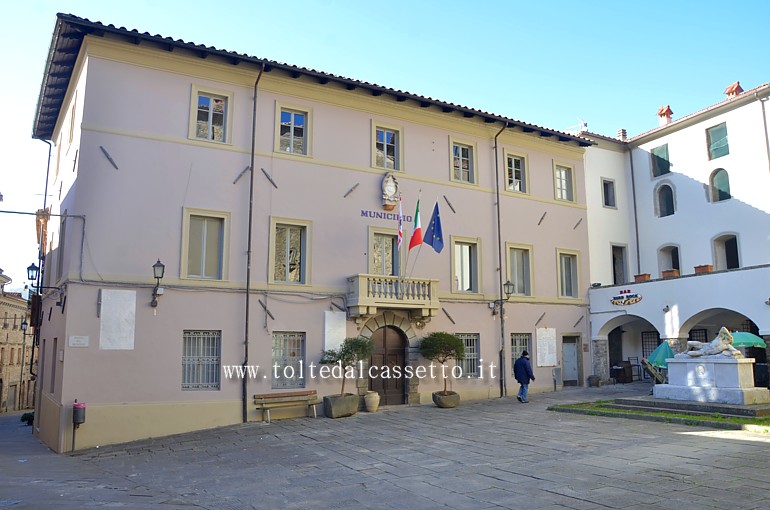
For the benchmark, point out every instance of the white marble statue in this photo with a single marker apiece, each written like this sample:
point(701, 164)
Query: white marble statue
point(722, 345)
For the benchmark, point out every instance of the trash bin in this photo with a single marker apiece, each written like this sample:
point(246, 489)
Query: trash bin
point(78, 413)
point(593, 381)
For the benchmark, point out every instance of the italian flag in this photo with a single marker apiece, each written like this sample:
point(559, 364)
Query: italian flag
point(416, 239)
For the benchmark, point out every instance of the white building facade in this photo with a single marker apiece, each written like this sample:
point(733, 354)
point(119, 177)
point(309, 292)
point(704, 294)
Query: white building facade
point(698, 230)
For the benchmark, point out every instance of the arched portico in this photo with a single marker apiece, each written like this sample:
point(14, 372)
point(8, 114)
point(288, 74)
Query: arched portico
point(621, 337)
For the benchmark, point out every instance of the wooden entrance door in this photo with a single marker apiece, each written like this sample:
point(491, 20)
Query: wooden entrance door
point(390, 352)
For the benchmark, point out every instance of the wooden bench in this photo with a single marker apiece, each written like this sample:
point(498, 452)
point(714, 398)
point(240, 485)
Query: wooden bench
point(267, 401)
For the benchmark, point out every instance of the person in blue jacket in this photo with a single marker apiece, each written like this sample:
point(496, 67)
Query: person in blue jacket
point(522, 371)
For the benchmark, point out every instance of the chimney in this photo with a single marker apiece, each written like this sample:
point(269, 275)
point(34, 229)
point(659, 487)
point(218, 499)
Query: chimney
point(734, 90)
point(665, 113)
point(622, 135)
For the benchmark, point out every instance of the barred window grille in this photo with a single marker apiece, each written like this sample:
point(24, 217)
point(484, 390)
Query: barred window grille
point(699, 335)
point(288, 356)
point(470, 363)
point(519, 342)
point(201, 360)
point(650, 340)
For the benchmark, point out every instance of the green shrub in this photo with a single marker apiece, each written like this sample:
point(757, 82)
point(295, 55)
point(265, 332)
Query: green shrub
point(441, 347)
point(352, 350)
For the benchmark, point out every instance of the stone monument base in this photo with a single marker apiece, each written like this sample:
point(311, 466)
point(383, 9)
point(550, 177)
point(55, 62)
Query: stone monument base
point(717, 378)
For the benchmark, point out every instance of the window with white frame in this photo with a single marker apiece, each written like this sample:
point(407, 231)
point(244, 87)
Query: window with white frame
point(517, 173)
point(520, 342)
point(520, 271)
point(205, 241)
point(608, 193)
point(211, 117)
point(564, 183)
point(387, 148)
point(470, 362)
point(720, 185)
point(201, 359)
point(462, 163)
point(288, 359)
point(716, 138)
point(465, 266)
point(568, 275)
point(290, 253)
point(293, 131)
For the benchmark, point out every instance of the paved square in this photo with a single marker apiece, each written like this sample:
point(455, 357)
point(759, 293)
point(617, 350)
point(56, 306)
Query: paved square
point(484, 454)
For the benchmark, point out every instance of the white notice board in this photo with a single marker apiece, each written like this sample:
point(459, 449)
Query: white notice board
point(334, 329)
point(546, 347)
point(118, 320)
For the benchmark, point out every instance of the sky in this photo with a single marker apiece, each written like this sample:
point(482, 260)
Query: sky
point(611, 64)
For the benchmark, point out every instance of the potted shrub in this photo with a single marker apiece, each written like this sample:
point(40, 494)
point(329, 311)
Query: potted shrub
point(352, 350)
point(442, 347)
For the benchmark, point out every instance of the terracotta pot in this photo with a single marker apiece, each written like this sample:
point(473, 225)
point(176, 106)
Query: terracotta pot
point(372, 401)
point(705, 268)
point(670, 273)
point(642, 277)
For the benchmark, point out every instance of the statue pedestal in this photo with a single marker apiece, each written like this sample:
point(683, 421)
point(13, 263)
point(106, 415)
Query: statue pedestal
point(712, 379)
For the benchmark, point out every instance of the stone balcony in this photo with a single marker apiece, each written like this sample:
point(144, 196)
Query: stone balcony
point(367, 293)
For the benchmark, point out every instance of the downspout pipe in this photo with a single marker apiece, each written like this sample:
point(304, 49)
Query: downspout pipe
point(764, 124)
point(244, 380)
point(503, 373)
point(40, 248)
point(636, 216)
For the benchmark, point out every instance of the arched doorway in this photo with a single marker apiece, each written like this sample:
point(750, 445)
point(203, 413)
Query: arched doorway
point(389, 351)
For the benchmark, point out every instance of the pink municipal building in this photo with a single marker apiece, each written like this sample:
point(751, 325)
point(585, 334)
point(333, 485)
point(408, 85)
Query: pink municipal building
point(210, 210)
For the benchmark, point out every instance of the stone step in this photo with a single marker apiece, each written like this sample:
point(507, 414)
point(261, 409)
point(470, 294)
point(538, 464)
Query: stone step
point(700, 407)
point(688, 412)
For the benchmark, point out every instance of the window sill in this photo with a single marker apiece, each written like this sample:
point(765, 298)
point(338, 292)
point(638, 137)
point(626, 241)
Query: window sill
point(207, 141)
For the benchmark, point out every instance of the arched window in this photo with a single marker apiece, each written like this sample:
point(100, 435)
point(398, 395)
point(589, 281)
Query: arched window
point(726, 252)
point(668, 258)
point(720, 185)
point(665, 201)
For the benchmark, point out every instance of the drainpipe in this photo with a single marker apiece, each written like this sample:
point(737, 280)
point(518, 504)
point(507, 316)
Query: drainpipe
point(40, 248)
point(636, 222)
point(244, 381)
point(503, 389)
point(764, 123)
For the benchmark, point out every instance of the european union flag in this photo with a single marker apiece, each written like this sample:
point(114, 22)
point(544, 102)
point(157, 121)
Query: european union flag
point(433, 235)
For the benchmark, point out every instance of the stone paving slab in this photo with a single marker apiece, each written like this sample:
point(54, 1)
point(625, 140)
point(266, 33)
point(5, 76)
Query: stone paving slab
point(491, 454)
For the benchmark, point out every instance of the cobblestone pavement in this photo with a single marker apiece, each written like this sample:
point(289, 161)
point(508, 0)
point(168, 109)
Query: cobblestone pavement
point(485, 454)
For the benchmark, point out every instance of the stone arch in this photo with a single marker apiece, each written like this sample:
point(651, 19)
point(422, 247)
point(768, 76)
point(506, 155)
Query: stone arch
point(390, 319)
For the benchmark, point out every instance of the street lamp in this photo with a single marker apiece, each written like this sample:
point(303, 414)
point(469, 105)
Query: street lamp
point(32, 272)
point(158, 270)
point(508, 289)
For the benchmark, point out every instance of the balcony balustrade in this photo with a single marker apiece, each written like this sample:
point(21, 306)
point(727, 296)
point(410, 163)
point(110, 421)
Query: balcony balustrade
point(368, 292)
